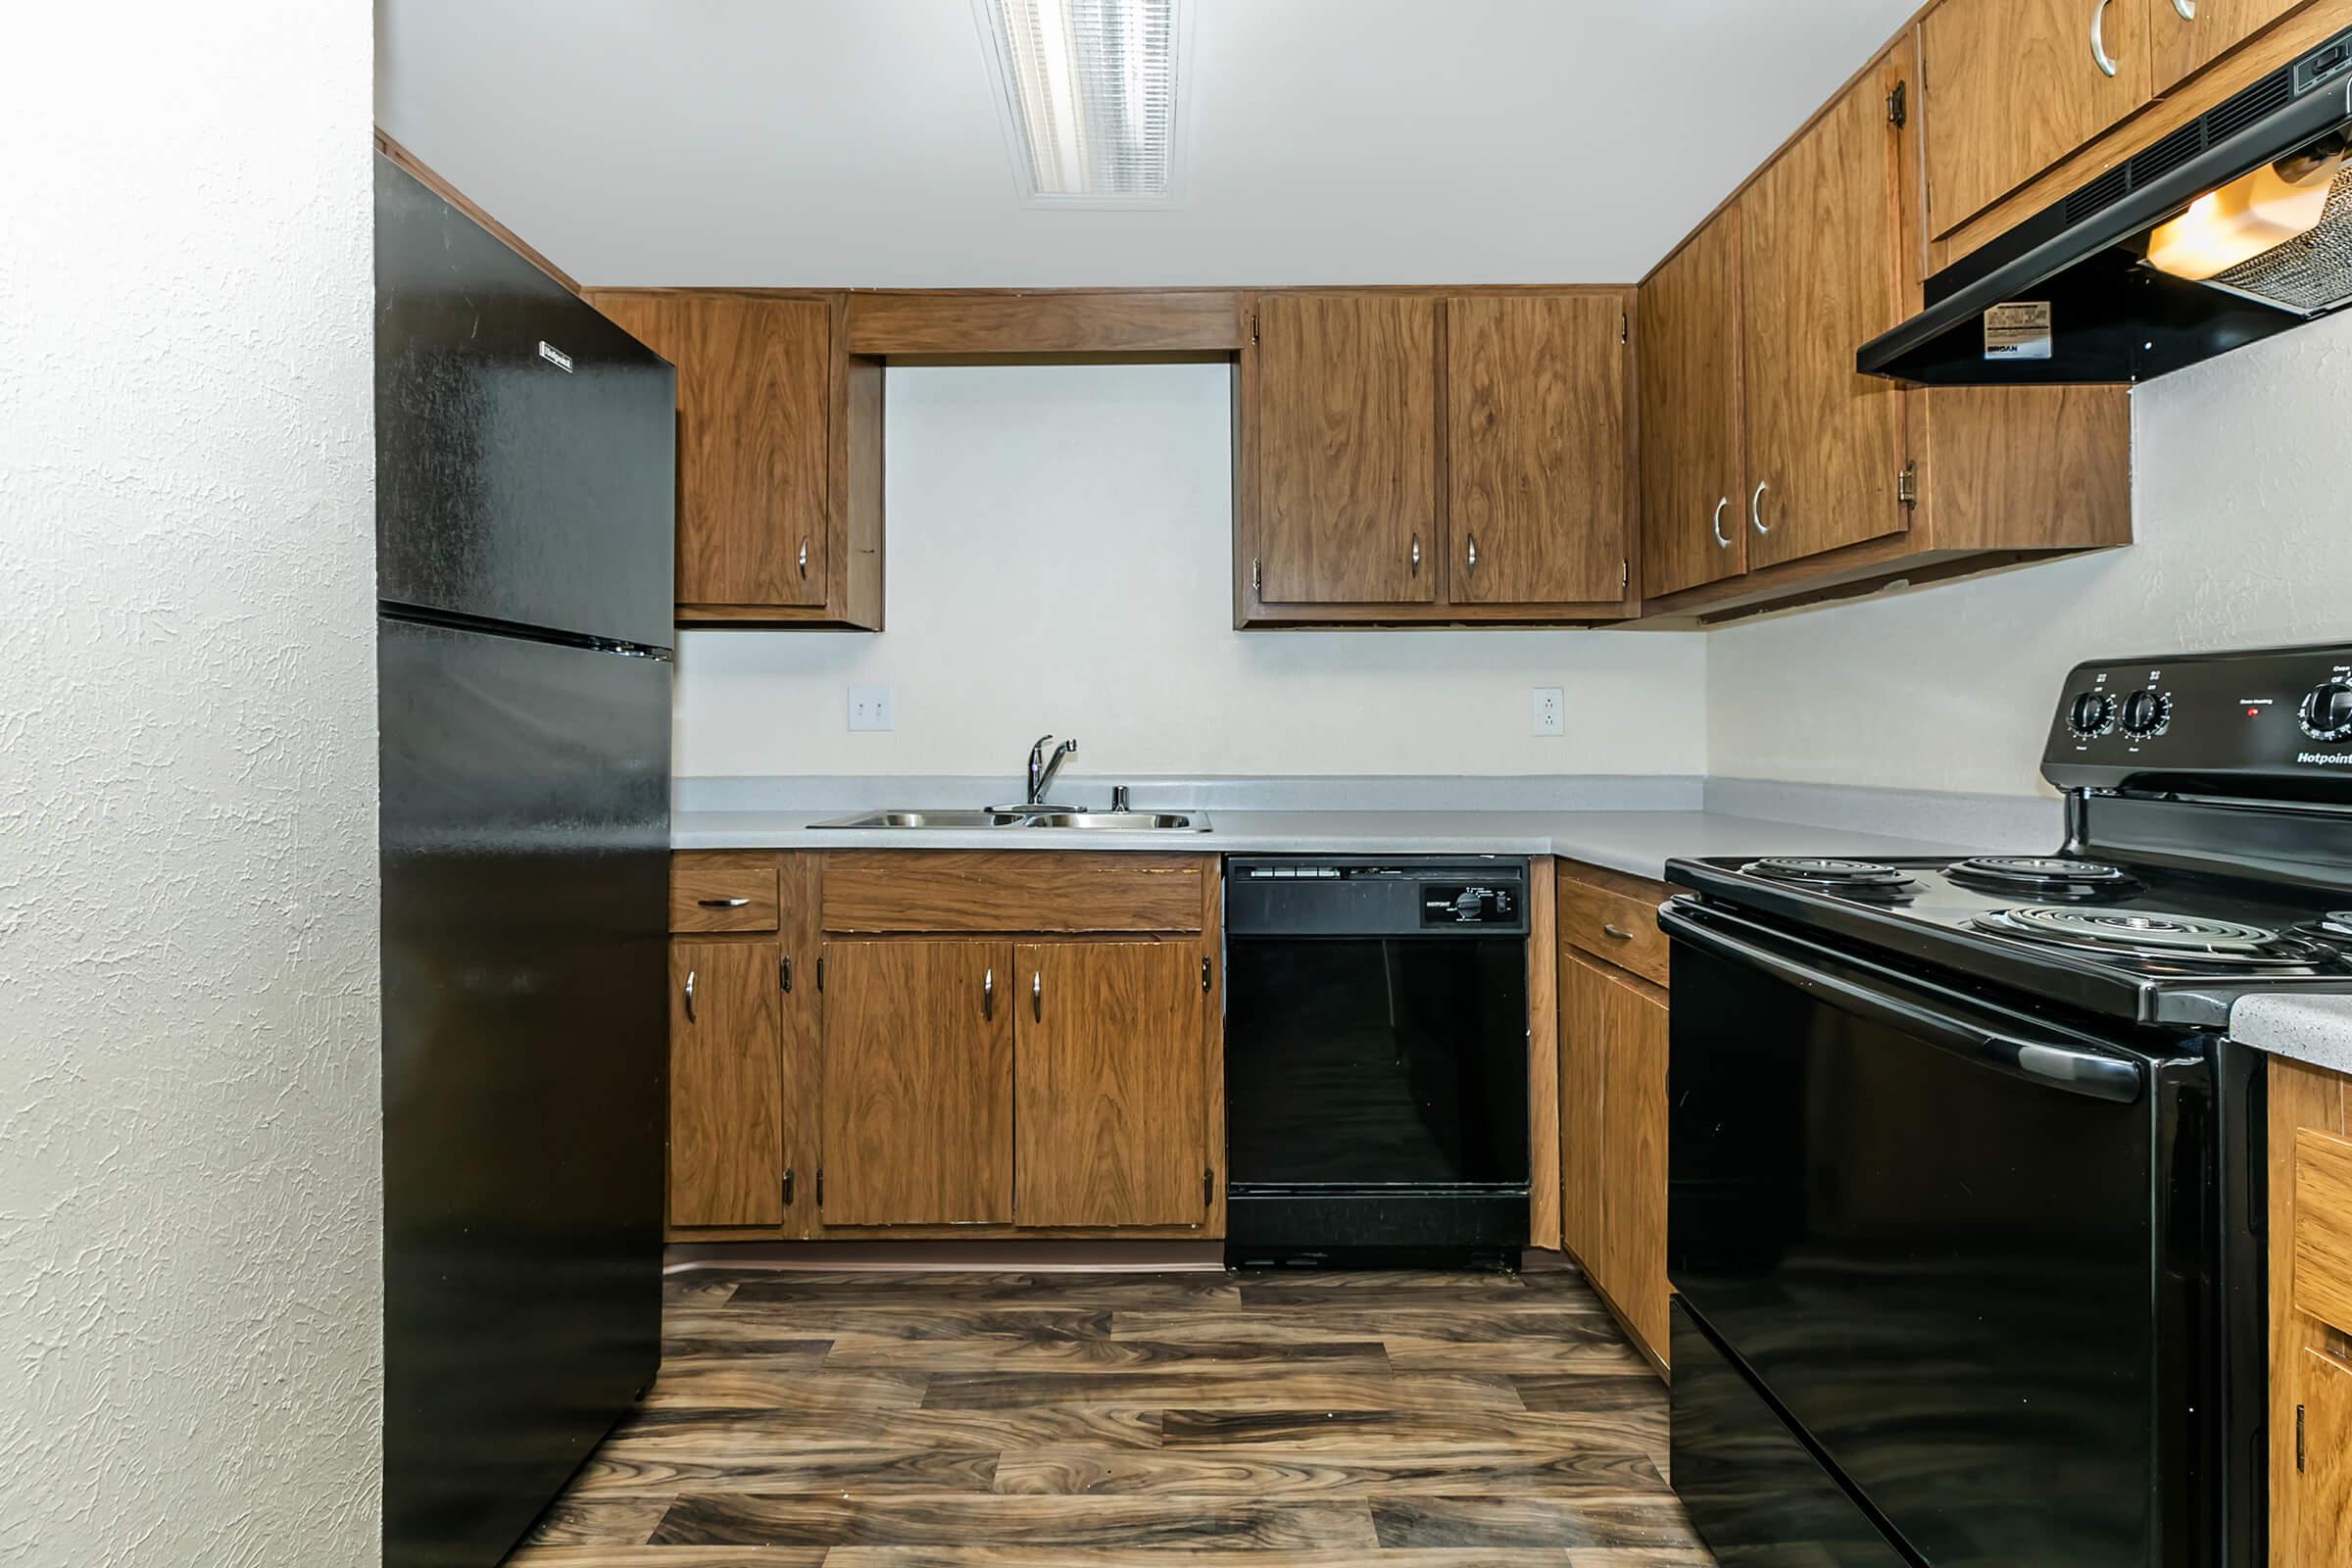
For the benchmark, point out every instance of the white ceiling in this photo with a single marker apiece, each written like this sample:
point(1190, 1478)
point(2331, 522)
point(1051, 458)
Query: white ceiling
point(842, 142)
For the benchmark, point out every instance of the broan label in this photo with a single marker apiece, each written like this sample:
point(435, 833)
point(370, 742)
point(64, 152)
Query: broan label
point(2018, 331)
point(2325, 759)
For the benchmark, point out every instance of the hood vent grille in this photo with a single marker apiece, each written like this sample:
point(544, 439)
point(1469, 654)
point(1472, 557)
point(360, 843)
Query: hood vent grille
point(2218, 125)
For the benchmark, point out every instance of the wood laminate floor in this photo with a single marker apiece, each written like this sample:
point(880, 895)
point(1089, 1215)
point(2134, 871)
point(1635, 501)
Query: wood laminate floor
point(865, 1420)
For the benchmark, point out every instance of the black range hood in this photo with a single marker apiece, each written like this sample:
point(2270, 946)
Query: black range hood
point(2071, 293)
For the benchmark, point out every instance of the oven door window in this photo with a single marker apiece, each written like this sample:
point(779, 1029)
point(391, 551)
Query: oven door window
point(1377, 1062)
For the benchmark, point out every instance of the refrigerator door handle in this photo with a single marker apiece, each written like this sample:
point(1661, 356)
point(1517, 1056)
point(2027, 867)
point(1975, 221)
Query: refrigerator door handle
point(2056, 1064)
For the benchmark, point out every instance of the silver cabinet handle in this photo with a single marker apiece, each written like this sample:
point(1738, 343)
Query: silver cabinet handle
point(1036, 995)
point(1616, 933)
point(1257, 576)
point(1416, 555)
point(1473, 567)
point(722, 904)
point(1716, 522)
point(988, 995)
point(804, 558)
point(2186, 8)
point(1755, 509)
point(690, 996)
point(2098, 43)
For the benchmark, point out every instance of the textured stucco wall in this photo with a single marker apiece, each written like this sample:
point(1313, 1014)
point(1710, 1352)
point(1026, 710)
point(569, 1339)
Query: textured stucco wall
point(190, 1293)
point(2240, 477)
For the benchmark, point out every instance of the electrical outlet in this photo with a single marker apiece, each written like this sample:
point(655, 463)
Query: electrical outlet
point(869, 707)
point(1551, 716)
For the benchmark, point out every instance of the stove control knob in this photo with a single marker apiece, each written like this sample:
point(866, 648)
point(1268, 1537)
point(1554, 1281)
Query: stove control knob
point(2146, 713)
point(2328, 711)
point(2092, 714)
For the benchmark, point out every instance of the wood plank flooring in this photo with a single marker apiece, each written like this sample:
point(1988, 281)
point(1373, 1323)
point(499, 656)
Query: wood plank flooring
point(867, 1420)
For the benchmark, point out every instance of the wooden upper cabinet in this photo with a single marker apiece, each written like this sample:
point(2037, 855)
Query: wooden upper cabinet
point(779, 455)
point(2186, 43)
point(1343, 410)
point(726, 1139)
point(918, 1083)
point(1538, 444)
point(1692, 441)
point(2012, 86)
point(1822, 271)
point(1112, 1084)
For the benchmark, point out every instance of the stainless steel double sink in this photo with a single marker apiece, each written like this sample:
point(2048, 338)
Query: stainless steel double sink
point(1050, 818)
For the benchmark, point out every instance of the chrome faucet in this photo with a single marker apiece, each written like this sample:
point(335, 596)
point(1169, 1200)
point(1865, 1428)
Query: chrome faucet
point(1042, 769)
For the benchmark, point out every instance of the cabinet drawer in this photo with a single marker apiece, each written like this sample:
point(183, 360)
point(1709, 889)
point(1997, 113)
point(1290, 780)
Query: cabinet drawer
point(1050, 893)
point(2322, 1282)
point(725, 891)
point(1614, 917)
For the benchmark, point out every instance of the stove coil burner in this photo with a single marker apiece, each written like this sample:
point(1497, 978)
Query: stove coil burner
point(2334, 927)
point(2148, 934)
point(2047, 874)
point(1815, 871)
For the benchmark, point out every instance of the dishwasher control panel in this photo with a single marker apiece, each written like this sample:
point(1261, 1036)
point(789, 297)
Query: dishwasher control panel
point(1368, 896)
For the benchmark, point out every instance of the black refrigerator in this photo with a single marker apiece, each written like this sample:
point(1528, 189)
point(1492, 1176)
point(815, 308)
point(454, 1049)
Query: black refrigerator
point(525, 505)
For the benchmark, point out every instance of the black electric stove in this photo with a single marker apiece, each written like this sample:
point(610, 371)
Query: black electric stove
point(1966, 1177)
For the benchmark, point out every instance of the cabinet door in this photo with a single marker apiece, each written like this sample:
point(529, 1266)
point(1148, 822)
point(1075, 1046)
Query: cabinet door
point(2323, 1478)
point(1822, 271)
point(1584, 1026)
point(754, 388)
point(1538, 432)
point(2191, 34)
point(1632, 1098)
point(726, 1139)
point(1692, 452)
point(2013, 86)
point(1112, 1084)
point(1344, 413)
point(918, 1083)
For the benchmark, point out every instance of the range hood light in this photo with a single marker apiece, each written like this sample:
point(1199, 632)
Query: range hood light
point(2230, 226)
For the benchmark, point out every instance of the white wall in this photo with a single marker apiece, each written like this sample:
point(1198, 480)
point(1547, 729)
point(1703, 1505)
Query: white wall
point(2242, 492)
point(1059, 559)
point(190, 1301)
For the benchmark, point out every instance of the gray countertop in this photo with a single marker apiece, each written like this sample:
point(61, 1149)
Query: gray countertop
point(2300, 1025)
point(1638, 843)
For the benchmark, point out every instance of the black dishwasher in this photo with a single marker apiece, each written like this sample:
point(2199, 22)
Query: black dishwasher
point(1376, 1060)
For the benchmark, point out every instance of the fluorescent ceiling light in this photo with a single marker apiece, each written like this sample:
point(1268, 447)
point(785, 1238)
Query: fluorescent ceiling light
point(1088, 92)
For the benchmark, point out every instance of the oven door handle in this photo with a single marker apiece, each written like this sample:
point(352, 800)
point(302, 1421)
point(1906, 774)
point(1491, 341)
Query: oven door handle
point(2059, 1066)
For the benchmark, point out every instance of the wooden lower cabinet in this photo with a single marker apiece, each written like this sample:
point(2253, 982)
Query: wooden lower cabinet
point(906, 1066)
point(917, 1082)
point(726, 1139)
point(1111, 1084)
point(2311, 1315)
point(1613, 1041)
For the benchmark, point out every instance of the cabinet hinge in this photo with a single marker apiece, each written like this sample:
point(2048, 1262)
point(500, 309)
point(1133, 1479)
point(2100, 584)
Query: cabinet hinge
point(784, 974)
point(820, 1186)
point(788, 1187)
point(1898, 105)
point(1906, 486)
point(2298, 1439)
point(1204, 976)
point(1208, 1187)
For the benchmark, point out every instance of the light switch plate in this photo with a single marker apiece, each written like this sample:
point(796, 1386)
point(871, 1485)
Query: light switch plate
point(869, 707)
point(1552, 713)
